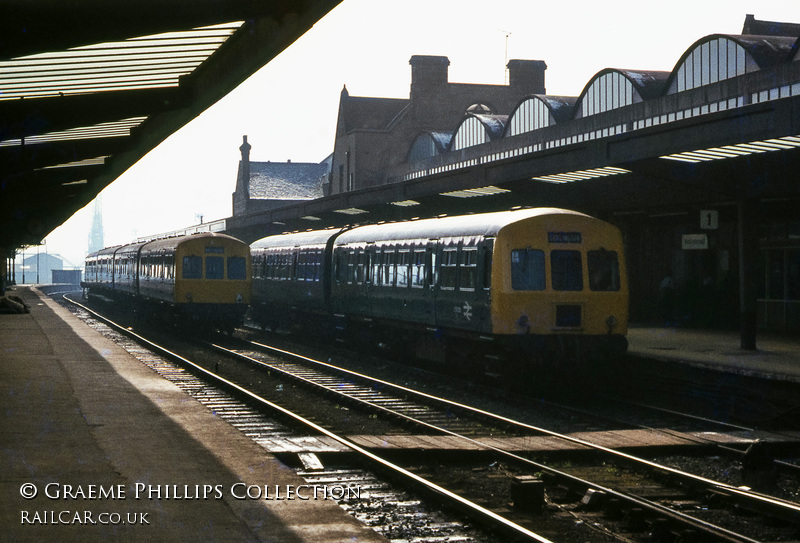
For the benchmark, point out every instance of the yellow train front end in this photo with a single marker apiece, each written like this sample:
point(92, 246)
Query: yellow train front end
point(559, 286)
point(212, 279)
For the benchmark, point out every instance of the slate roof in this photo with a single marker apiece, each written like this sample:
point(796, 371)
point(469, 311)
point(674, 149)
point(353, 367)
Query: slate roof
point(287, 180)
point(367, 113)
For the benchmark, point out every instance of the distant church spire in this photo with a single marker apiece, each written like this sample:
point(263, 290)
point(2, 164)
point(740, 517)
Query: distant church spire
point(96, 231)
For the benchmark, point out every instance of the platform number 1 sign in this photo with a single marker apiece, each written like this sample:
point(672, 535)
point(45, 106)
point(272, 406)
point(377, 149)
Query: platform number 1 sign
point(709, 219)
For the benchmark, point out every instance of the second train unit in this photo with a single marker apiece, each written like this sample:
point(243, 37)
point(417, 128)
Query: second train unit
point(535, 282)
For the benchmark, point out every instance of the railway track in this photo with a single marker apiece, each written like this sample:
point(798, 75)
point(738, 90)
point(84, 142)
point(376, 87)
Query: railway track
point(374, 393)
point(436, 415)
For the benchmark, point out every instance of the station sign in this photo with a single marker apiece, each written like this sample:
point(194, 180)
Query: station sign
point(709, 219)
point(691, 242)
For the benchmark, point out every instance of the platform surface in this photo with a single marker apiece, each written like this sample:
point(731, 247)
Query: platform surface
point(113, 452)
point(775, 356)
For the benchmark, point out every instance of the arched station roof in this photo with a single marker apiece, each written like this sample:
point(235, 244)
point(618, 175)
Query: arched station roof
point(538, 111)
point(612, 88)
point(429, 144)
point(477, 129)
point(721, 56)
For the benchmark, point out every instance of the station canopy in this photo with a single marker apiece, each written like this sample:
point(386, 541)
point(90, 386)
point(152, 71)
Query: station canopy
point(88, 88)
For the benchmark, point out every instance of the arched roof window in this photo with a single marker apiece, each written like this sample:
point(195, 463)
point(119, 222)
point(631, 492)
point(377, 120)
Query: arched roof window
point(479, 109)
point(429, 144)
point(718, 57)
point(612, 88)
point(477, 129)
point(538, 111)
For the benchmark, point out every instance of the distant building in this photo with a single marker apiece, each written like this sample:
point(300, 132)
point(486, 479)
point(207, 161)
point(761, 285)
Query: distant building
point(261, 186)
point(373, 135)
point(37, 268)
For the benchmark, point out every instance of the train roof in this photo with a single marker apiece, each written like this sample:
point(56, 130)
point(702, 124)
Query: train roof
point(483, 224)
point(311, 238)
point(172, 242)
point(163, 243)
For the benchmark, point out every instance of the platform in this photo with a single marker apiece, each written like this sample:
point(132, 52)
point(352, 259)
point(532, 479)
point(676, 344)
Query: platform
point(776, 357)
point(112, 451)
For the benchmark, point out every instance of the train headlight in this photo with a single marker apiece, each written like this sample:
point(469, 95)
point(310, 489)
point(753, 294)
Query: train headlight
point(611, 322)
point(239, 298)
point(189, 297)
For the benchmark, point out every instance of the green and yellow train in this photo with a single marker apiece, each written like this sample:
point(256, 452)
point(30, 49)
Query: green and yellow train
point(533, 282)
point(199, 279)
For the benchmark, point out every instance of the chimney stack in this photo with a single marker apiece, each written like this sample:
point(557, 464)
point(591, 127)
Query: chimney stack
point(527, 75)
point(426, 72)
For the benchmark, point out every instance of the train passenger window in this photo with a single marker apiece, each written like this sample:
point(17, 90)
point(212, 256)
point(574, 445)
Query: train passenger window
point(389, 271)
point(215, 267)
point(447, 272)
point(192, 267)
point(566, 270)
point(527, 269)
point(341, 267)
point(603, 270)
point(377, 268)
point(368, 258)
point(237, 268)
point(418, 269)
point(274, 271)
point(468, 268)
point(403, 264)
point(359, 267)
point(302, 266)
point(352, 265)
point(317, 264)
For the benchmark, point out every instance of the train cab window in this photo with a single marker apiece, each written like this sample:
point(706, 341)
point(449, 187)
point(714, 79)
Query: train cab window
point(566, 270)
point(237, 268)
point(603, 270)
point(215, 267)
point(468, 268)
point(527, 269)
point(192, 267)
point(448, 269)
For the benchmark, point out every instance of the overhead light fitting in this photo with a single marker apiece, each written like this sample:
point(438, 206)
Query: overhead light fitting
point(97, 161)
point(739, 149)
point(581, 175)
point(351, 211)
point(405, 203)
point(472, 193)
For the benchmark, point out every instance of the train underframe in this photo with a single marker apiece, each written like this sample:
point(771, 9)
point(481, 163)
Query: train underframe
point(196, 318)
point(545, 360)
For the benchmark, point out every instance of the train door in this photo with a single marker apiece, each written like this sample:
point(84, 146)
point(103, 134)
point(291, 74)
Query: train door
point(444, 285)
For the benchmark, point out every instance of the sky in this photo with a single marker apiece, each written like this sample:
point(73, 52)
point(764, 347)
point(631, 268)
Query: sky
point(288, 109)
